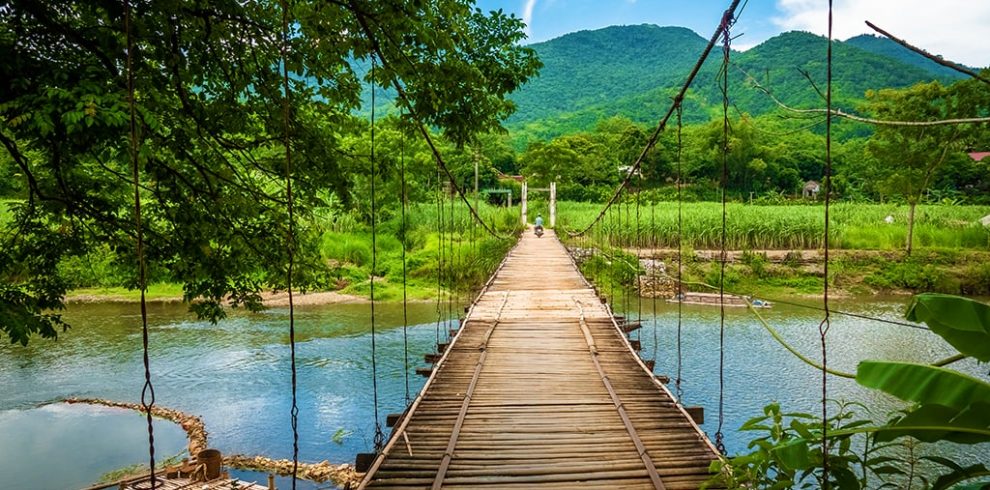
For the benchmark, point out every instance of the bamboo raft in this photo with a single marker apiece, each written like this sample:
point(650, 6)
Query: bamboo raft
point(713, 299)
point(540, 388)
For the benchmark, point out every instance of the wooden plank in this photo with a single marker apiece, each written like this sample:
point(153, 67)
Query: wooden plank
point(528, 395)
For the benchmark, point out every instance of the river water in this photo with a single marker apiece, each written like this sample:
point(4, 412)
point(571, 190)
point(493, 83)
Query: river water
point(235, 375)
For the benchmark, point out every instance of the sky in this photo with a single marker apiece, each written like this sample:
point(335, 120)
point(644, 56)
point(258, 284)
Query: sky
point(955, 29)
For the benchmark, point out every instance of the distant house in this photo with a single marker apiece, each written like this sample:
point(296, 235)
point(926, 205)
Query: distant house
point(979, 155)
point(811, 189)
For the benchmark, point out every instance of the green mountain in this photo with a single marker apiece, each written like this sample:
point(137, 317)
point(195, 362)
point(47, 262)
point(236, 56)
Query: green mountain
point(890, 49)
point(591, 68)
point(633, 71)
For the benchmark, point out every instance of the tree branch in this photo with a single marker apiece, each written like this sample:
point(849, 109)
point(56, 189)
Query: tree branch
point(937, 59)
point(866, 120)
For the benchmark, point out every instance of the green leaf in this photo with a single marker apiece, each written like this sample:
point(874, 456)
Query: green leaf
point(794, 454)
point(923, 384)
point(801, 429)
point(962, 322)
point(962, 474)
point(933, 422)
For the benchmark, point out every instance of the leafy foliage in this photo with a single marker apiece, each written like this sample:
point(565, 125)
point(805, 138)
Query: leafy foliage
point(209, 100)
point(787, 454)
point(947, 406)
point(962, 322)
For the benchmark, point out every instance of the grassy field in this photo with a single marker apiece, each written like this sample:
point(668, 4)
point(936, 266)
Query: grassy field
point(749, 227)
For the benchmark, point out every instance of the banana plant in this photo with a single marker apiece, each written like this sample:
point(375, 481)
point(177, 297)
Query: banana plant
point(947, 405)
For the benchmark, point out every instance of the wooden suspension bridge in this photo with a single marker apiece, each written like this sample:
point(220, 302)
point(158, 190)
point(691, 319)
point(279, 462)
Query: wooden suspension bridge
point(540, 387)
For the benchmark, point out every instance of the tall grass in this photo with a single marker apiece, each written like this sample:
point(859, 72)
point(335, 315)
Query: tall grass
point(749, 227)
point(442, 239)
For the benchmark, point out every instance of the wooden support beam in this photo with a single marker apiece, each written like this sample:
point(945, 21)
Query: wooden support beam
point(636, 345)
point(424, 371)
point(432, 357)
point(452, 332)
point(630, 326)
point(442, 346)
point(650, 364)
point(663, 379)
point(697, 414)
point(363, 461)
point(393, 419)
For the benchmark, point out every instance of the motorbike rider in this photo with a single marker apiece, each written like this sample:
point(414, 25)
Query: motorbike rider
point(538, 228)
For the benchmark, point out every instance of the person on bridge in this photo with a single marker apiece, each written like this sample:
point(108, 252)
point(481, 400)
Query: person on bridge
point(538, 225)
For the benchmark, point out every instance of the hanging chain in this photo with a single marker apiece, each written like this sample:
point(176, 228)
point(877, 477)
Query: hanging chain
point(653, 265)
point(148, 391)
point(639, 278)
point(294, 412)
point(727, 21)
point(680, 258)
point(405, 224)
point(826, 323)
point(440, 250)
point(379, 440)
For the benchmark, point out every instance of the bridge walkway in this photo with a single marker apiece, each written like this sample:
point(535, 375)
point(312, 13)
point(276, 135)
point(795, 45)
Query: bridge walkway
point(540, 388)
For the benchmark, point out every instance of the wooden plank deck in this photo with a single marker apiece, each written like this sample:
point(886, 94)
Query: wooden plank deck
point(540, 389)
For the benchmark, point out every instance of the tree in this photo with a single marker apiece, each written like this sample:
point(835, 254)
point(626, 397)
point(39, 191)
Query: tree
point(211, 125)
point(909, 157)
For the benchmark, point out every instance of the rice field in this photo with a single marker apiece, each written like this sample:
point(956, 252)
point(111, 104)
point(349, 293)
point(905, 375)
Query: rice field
point(750, 227)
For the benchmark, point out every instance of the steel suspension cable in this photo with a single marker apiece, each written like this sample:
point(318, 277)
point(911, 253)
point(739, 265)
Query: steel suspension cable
point(451, 265)
point(727, 22)
point(440, 258)
point(678, 100)
point(680, 258)
point(291, 248)
point(639, 277)
point(148, 390)
point(405, 230)
point(653, 269)
point(379, 438)
point(826, 323)
point(622, 246)
point(420, 125)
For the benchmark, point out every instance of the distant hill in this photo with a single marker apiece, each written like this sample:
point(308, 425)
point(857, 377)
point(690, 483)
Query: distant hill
point(890, 49)
point(590, 68)
point(634, 71)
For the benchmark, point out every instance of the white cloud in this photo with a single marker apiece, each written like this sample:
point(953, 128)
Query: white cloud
point(955, 29)
point(527, 15)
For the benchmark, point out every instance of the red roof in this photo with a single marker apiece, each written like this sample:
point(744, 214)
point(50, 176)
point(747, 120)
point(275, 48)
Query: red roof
point(979, 155)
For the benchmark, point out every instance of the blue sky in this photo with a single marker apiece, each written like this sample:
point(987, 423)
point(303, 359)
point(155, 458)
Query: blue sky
point(956, 29)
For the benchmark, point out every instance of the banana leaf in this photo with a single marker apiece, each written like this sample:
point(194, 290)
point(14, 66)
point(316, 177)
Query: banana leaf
point(962, 322)
point(923, 384)
point(933, 422)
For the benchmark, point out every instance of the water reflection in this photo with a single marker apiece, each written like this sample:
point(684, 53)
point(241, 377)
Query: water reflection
point(59, 446)
point(758, 370)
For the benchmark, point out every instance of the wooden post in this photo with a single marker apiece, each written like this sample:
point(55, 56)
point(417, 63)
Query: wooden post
point(522, 204)
point(553, 204)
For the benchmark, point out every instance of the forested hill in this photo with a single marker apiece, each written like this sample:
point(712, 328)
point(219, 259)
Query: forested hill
point(890, 49)
point(634, 70)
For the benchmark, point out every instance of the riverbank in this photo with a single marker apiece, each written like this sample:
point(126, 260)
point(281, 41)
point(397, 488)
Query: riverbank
point(324, 471)
point(172, 293)
point(797, 273)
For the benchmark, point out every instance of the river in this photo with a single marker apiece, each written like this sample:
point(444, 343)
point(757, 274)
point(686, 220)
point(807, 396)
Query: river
point(235, 375)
